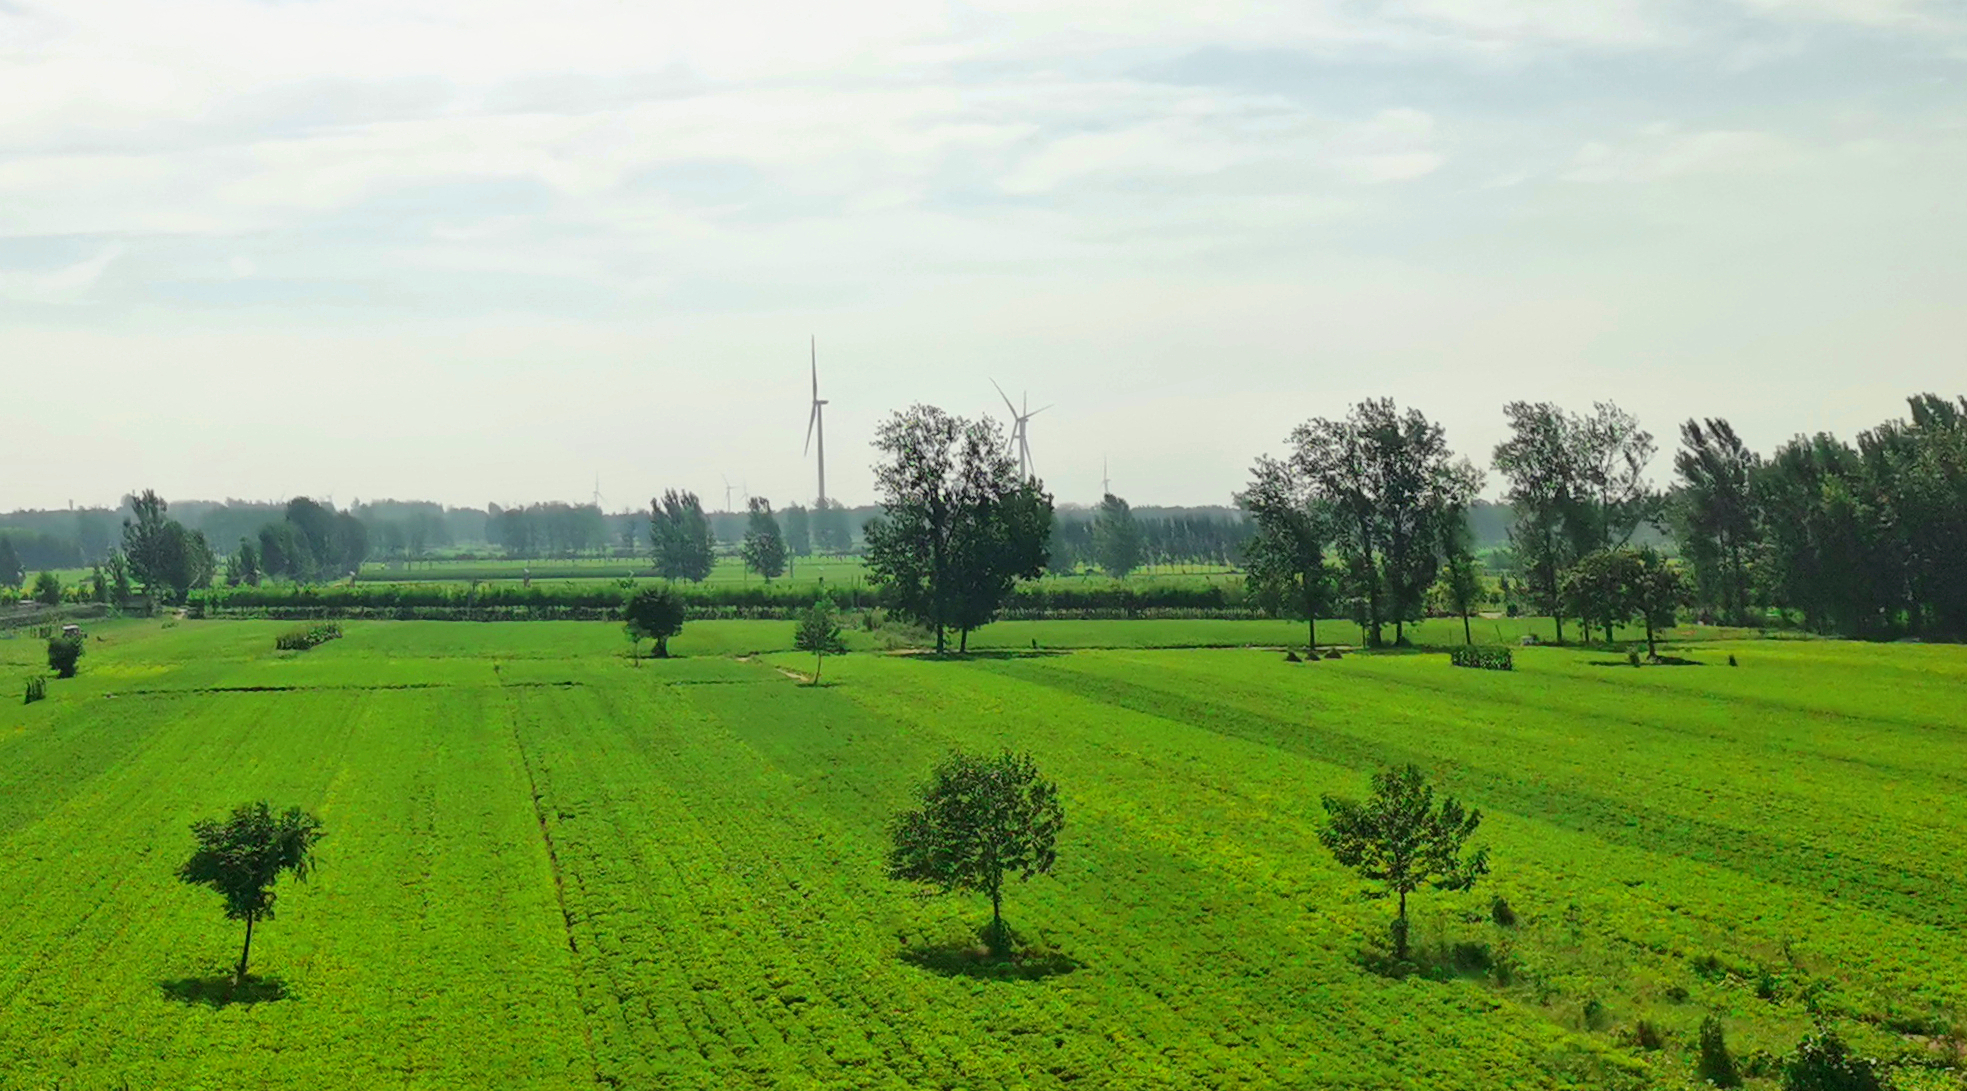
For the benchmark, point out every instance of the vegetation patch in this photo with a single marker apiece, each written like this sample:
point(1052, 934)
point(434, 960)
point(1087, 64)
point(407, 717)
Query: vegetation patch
point(1482, 657)
point(302, 637)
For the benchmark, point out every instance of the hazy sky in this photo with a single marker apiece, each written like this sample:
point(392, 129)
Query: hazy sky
point(483, 251)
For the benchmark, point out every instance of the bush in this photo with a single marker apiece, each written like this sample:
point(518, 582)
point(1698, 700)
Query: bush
point(302, 637)
point(1716, 1065)
point(37, 690)
point(1482, 658)
point(1647, 1035)
point(1501, 912)
point(47, 589)
point(1822, 1062)
point(64, 652)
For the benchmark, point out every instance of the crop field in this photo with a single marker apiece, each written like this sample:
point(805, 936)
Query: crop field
point(548, 867)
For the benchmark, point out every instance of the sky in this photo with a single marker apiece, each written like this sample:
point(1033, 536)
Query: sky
point(495, 252)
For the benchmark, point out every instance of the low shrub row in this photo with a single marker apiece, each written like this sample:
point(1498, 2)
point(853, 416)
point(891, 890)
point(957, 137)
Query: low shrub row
point(302, 637)
point(1482, 657)
point(591, 600)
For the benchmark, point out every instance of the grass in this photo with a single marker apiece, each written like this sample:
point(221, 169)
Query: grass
point(547, 868)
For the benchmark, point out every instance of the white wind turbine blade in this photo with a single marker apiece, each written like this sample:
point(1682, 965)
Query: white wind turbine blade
point(1007, 399)
point(811, 420)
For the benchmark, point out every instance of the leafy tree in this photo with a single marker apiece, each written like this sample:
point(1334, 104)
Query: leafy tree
point(11, 570)
point(681, 535)
point(1393, 486)
point(1602, 589)
point(958, 526)
point(1461, 585)
point(1284, 561)
point(829, 527)
point(981, 820)
point(1715, 515)
point(1539, 462)
point(798, 527)
point(1400, 839)
point(763, 548)
point(819, 633)
point(64, 654)
point(284, 551)
point(1658, 591)
point(242, 856)
point(244, 566)
point(119, 577)
point(1116, 537)
point(47, 589)
point(653, 613)
point(1822, 1062)
point(144, 541)
point(1612, 455)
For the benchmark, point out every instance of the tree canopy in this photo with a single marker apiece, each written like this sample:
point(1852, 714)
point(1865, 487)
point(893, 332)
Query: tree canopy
point(763, 548)
point(653, 613)
point(1400, 839)
point(958, 526)
point(242, 856)
point(982, 819)
point(1116, 537)
point(681, 535)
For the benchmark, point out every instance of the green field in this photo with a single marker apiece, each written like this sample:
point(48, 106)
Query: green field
point(549, 868)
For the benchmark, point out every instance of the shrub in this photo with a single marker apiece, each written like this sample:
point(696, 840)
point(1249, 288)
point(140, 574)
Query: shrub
point(1501, 912)
point(47, 589)
point(37, 690)
point(1822, 1062)
point(64, 652)
point(1647, 1035)
point(1632, 657)
point(1482, 658)
point(302, 637)
point(1716, 1065)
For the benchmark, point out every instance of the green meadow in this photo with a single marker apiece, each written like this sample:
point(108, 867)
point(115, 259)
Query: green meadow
point(549, 867)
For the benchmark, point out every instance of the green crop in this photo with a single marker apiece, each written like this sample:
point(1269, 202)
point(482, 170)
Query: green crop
point(550, 869)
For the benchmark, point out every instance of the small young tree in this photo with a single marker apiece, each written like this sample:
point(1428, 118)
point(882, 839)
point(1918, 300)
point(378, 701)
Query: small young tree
point(243, 855)
point(64, 652)
point(653, 613)
point(982, 820)
point(1716, 1065)
point(819, 633)
point(47, 589)
point(1401, 839)
point(1822, 1062)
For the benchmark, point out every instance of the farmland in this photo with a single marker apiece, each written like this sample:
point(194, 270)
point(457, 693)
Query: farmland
point(549, 868)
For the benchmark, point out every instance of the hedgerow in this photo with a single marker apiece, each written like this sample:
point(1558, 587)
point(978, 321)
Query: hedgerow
point(1482, 657)
point(303, 637)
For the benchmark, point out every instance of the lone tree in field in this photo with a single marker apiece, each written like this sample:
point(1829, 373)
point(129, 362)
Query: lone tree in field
point(1116, 537)
point(982, 820)
point(819, 633)
point(653, 613)
point(242, 856)
point(1399, 838)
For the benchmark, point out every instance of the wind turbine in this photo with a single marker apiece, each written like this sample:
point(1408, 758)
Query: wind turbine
point(817, 423)
point(727, 493)
point(1020, 432)
point(597, 492)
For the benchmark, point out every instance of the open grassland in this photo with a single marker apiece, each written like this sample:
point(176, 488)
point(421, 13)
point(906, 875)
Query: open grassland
point(548, 868)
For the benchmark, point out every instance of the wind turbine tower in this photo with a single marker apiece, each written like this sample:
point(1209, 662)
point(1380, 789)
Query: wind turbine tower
point(816, 422)
point(1020, 427)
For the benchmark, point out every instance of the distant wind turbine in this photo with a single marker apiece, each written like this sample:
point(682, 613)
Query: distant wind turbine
point(1020, 430)
point(816, 422)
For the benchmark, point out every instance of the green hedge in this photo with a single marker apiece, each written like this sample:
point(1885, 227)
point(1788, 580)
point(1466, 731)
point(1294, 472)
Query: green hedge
point(1482, 657)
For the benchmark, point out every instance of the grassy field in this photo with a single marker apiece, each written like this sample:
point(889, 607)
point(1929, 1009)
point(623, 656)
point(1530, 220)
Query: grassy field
point(549, 868)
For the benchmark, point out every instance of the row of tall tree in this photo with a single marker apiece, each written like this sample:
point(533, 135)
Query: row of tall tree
point(1860, 539)
point(1378, 493)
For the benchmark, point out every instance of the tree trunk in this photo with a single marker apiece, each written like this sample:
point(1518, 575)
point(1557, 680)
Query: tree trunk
point(997, 944)
point(963, 642)
point(1466, 637)
point(1400, 929)
point(817, 656)
point(1311, 633)
point(239, 977)
point(1651, 651)
point(939, 639)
